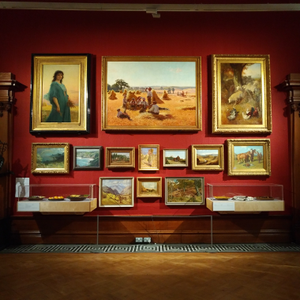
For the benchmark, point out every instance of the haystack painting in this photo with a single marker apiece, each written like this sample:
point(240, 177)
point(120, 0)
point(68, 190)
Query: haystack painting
point(151, 93)
point(241, 94)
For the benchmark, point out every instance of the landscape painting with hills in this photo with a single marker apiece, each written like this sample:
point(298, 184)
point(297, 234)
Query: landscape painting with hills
point(116, 192)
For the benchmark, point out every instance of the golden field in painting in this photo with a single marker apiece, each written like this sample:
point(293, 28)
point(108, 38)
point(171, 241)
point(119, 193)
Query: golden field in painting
point(181, 111)
point(111, 199)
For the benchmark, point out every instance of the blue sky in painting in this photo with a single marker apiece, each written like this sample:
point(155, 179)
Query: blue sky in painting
point(143, 73)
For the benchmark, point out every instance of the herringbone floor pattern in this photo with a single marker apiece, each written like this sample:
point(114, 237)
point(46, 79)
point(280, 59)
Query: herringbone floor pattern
point(150, 276)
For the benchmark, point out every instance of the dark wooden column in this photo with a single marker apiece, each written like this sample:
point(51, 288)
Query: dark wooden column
point(8, 87)
point(292, 86)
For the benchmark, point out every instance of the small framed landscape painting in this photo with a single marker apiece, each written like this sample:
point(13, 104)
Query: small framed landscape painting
point(241, 94)
point(87, 157)
point(148, 157)
point(50, 158)
point(184, 191)
point(249, 157)
point(208, 157)
point(175, 158)
point(148, 187)
point(151, 93)
point(120, 157)
point(116, 191)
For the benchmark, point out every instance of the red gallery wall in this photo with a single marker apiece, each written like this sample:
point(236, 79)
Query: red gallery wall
point(138, 34)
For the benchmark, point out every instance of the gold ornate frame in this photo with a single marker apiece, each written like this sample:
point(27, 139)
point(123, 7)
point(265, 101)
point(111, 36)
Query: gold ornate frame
point(249, 157)
point(76, 69)
point(116, 191)
point(210, 159)
point(241, 94)
point(175, 162)
point(149, 187)
point(46, 158)
point(177, 111)
point(148, 157)
point(115, 162)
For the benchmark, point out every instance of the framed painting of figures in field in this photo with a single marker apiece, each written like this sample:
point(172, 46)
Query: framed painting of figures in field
point(151, 93)
point(241, 94)
point(60, 94)
point(249, 157)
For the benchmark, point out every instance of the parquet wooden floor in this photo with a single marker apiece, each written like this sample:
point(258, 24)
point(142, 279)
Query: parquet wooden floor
point(150, 276)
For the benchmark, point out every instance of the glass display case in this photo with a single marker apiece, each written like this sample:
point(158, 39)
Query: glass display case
point(57, 198)
point(245, 197)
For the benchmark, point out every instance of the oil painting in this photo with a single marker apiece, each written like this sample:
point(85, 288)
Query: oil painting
point(87, 157)
point(241, 94)
point(148, 157)
point(208, 157)
point(175, 158)
point(60, 93)
point(151, 93)
point(148, 187)
point(116, 192)
point(50, 158)
point(184, 191)
point(249, 157)
point(120, 157)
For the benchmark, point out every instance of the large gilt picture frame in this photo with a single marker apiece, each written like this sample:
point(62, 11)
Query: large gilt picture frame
point(50, 158)
point(184, 191)
point(208, 157)
point(151, 93)
point(116, 191)
point(241, 94)
point(60, 94)
point(249, 157)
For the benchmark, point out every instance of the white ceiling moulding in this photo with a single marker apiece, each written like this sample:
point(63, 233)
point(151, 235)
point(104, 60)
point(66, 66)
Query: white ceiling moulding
point(154, 9)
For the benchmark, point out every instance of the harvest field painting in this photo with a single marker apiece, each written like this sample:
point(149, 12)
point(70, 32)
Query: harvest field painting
point(174, 87)
point(184, 191)
point(116, 192)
